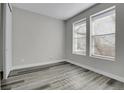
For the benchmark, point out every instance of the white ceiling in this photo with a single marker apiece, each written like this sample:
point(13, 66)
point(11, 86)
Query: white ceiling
point(62, 11)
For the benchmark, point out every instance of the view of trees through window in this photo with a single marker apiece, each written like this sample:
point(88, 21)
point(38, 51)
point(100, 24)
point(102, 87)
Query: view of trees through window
point(79, 37)
point(103, 34)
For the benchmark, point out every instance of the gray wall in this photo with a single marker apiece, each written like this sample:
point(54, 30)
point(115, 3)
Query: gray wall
point(37, 39)
point(1, 40)
point(115, 68)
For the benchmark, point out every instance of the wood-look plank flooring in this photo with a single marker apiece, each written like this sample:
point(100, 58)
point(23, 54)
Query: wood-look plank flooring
point(63, 76)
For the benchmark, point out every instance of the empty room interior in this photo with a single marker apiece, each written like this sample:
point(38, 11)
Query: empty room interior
point(61, 46)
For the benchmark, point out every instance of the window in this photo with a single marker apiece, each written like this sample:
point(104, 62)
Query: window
point(102, 34)
point(79, 37)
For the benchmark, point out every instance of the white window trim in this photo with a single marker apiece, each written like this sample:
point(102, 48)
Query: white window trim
point(91, 31)
point(73, 52)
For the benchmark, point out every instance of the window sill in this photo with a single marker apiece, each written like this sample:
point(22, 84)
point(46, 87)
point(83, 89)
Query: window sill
point(103, 57)
point(79, 53)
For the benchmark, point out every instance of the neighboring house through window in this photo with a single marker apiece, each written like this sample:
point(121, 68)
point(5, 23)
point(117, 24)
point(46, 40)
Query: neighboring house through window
point(79, 37)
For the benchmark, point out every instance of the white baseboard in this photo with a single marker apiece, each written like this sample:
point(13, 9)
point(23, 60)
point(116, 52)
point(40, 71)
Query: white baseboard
point(36, 64)
point(113, 76)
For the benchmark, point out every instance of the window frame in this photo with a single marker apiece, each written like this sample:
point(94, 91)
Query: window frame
point(73, 26)
point(91, 49)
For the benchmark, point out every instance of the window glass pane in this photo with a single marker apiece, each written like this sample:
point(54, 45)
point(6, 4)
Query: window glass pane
point(80, 28)
point(103, 34)
point(104, 45)
point(81, 43)
point(105, 25)
point(79, 37)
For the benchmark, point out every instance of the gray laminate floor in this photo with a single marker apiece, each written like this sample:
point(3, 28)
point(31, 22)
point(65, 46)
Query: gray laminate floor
point(63, 76)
